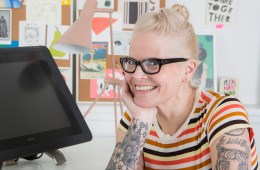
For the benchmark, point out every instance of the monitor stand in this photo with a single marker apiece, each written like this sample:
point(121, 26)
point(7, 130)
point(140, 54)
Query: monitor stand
point(57, 155)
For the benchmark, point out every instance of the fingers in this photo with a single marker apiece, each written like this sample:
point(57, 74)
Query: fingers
point(127, 95)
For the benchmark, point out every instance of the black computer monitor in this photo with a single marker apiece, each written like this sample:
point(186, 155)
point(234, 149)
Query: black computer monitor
point(37, 111)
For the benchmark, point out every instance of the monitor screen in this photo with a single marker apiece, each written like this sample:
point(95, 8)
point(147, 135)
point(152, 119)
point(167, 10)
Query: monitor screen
point(37, 110)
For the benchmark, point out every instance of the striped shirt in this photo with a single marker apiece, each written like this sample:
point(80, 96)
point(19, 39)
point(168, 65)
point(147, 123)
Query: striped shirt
point(213, 115)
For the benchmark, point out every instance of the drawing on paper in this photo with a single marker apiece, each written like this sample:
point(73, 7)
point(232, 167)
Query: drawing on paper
point(122, 42)
point(5, 26)
point(31, 34)
point(53, 35)
point(47, 11)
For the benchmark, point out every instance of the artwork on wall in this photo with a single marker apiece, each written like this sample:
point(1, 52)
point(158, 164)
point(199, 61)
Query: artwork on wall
point(220, 12)
point(229, 86)
point(66, 2)
point(47, 11)
point(132, 10)
point(93, 65)
point(10, 3)
point(122, 42)
point(97, 85)
point(102, 4)
point(101, 27)
point(106, 4)
point(205, 74)
point(53, 35)
point(5, 26)
point(31, 34)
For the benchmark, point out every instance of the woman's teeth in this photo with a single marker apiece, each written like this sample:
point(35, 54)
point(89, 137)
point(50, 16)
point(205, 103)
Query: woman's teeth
point(144, 87)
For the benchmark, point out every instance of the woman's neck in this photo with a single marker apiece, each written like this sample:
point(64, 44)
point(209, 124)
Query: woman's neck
point(172, 114)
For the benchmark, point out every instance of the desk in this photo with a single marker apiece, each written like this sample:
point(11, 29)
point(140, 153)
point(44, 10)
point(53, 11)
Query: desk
point(93, 155)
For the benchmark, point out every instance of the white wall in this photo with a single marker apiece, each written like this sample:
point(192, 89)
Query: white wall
point(237, 45)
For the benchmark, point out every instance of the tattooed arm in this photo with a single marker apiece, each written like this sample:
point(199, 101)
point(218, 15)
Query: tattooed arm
point(127, 153)
point(128, 149)
point(231, 151)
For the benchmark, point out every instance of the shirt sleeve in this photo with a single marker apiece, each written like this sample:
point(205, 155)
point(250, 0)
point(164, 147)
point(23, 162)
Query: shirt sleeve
point(125, 121)
point(229, 114)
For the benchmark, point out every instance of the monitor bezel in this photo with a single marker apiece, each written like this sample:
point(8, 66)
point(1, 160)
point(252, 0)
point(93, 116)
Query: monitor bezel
point(79, 132)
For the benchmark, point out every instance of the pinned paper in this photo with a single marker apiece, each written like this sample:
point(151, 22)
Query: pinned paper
point(220, 12)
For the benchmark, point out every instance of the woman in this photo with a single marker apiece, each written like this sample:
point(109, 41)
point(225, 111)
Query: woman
point(170, 124)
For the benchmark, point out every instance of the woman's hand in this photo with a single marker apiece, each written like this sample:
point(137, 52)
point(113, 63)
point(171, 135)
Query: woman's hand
point(145, 114)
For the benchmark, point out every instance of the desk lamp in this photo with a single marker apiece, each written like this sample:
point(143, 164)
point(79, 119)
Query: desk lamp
point(77, 39)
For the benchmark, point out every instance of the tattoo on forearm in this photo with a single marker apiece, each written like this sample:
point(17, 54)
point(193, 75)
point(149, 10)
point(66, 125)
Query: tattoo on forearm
point(127, 152)
point(240, 154)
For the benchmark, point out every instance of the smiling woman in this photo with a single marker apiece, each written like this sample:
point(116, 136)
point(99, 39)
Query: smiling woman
point(170, 124)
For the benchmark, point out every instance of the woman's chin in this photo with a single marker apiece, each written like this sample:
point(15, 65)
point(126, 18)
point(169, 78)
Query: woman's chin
point(144, 103)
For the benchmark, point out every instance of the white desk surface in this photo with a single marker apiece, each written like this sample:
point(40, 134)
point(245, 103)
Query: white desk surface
point(93, 155)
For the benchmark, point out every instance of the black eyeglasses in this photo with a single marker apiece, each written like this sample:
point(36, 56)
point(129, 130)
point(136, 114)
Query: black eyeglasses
point(149, 65)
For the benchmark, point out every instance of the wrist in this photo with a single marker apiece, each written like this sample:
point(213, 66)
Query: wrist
point(145, 118)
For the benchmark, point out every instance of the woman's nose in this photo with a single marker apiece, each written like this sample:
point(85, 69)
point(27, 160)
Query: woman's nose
point(139, 73)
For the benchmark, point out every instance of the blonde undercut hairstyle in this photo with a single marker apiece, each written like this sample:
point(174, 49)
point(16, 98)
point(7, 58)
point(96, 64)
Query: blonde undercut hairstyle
point(173, 22)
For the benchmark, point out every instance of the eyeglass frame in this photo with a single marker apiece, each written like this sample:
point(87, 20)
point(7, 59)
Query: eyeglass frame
point(160, 61)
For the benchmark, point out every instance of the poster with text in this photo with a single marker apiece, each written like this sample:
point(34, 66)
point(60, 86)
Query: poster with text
point(229, 86)
point(220, 12)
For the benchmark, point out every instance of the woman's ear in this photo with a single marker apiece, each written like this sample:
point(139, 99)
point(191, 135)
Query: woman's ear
point(191, 67)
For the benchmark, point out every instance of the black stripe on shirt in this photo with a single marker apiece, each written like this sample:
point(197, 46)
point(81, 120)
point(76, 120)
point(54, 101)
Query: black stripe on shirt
point(179, 152)
point(233, 122)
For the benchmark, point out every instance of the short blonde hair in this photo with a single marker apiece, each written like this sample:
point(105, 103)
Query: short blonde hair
point(172, 22)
